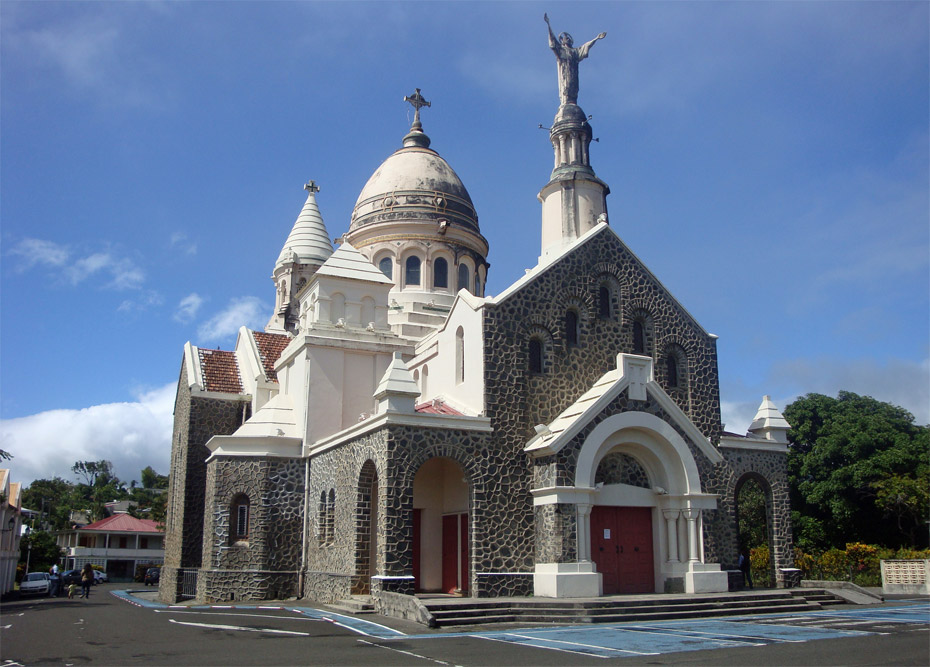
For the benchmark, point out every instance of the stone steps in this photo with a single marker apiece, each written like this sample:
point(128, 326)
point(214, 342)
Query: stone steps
point(618, 610)
point(357, 604)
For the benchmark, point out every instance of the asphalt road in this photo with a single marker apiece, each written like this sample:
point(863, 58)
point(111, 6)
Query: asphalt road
point(108, 630)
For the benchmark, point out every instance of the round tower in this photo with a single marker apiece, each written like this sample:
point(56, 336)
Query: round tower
point(415, 221)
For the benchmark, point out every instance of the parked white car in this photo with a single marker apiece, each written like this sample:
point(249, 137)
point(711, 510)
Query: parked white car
point(100, 577)
point(35, 583)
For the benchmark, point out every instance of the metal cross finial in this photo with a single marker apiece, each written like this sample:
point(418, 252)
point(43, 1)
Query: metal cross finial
point(417, 101)
point(311, 186)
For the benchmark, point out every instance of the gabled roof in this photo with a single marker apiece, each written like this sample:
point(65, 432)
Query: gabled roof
point(633, 374)
point(437, 407)
point(220, 371)
point(347, 262)
point(124, 523)
point(270, 346)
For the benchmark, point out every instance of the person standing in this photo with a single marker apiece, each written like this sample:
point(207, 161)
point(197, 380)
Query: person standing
point(54, 582)
point(87, 580)
point(745, 566)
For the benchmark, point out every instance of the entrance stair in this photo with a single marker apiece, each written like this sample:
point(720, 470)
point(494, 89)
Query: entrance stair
point(622, 609)
point(357, 604)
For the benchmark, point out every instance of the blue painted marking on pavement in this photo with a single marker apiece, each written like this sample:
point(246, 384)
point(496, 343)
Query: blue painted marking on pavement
point(139, 602)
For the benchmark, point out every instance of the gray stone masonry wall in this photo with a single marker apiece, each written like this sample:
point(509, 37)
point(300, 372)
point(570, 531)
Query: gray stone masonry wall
point(770, 470)
point(266, 564)
point(517, 400)
point(196, 420)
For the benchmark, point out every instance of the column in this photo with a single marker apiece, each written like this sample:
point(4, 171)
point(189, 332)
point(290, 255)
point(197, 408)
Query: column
point(671, 526)
point(562, 155)
point(584, 531)
point(691, 515)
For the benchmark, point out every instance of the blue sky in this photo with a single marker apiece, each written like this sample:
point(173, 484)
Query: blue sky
point(768, 162)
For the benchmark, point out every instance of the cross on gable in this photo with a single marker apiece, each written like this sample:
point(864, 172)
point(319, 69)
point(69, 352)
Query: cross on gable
point(417, 101)
point(311, 186)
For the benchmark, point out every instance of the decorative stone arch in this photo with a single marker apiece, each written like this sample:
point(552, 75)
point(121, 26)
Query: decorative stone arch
point(642, 316)
point(543, 335)
point(768, 494)
point(581, 304)
point(677, 350)
point(367, 525)
point(442, 507)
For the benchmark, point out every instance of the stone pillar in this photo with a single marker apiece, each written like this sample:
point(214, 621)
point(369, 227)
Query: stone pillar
point(584, 531)
point(693, 553)
point(671, 525)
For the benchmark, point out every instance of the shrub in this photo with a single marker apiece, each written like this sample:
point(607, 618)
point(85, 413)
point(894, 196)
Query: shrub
point(832, 565)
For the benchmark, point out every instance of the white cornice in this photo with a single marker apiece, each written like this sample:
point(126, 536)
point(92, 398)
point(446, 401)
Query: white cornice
point(757, 444)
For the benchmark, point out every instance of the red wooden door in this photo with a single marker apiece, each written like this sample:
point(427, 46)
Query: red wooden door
point(455, 553)
point(621, 547)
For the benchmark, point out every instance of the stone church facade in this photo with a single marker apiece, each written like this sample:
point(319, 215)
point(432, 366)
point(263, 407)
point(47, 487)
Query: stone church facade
point(395, 430)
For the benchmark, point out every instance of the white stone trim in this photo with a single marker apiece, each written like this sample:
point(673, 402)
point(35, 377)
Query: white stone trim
point(730, 442)
point(273, 446)
point(192, 363)
point(571, 495)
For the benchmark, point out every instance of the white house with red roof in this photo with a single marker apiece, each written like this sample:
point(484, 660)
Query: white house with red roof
point(118, 543)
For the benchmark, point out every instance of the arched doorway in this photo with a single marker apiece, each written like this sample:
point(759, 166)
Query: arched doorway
point(753, 503)
point(366, 527)
point(440, 527)
point(622, 535)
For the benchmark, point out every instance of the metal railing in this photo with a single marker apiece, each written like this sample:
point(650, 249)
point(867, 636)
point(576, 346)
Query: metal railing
point(188, 584)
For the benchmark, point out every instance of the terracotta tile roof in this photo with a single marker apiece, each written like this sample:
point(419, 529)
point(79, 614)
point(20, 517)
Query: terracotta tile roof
point(124, 523)
point(220, 371)
point(437, 408)
point(270, 347)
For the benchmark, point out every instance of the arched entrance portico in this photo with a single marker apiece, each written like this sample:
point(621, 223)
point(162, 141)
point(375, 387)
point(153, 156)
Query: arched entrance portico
point(654, 509)
point(441, 527)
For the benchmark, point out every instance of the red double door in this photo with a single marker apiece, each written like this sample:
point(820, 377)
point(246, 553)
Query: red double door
point(621, 547)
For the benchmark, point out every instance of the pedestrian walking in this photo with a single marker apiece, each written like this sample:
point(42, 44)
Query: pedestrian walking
point(745, 566)
point(87, 580)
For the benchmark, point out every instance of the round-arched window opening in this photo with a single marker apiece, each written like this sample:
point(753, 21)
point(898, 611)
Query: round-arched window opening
point(386, 266)
point(412, 271)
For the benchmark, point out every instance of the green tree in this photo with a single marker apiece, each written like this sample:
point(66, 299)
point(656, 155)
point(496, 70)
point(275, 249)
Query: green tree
point(152, 480)
point(41, 550)
point(753, 526)
point(842, 452)
point(53, 499)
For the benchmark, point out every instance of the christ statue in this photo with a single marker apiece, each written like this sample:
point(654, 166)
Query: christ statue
point(568, 58)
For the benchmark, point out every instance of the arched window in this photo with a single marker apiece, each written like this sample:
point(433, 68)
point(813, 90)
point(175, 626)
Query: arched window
point(639, 338)
point(671, 370)
point(571, 328)
point(463, 276)
point(387, 267)
point(536, 355)
point(412, 273)
point(321, 527)
point(337, 308)
point(331, 517)
point(477, 285)
point(440, 272)
point(603, 302)
point(368, 311)
point(239, 518)
point(423, 387)
point(459, 355)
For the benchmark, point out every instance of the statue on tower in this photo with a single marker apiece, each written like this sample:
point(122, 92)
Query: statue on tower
point(568, 58)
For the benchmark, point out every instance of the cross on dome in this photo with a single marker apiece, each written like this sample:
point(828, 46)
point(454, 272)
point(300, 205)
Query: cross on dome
point(311, 186)
point(417, 101)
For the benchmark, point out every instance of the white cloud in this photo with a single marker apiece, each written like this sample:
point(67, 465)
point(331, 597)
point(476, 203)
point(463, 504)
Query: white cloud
point(132, 435)
point(246, 311)
point(34, 252)
point(142, 302)
point(180, 241)
point(188, 307)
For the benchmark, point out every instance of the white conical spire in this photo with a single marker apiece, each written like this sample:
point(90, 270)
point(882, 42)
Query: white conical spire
point(308, 240)
point(769, 423)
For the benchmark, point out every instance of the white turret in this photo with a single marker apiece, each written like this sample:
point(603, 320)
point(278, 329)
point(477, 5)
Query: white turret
point(769, 423)
point(304, 251)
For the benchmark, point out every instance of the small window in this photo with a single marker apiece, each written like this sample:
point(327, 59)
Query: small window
point(477, 285)
point(571, 328)
point(671, 369)
point(331, 517)
point(463, 276)
point(440, 273)
point(239, 518)
point(536, 356)
point(639, 338)
point(321, 527)
point(387, 267)
point(412, 276)
point(603, 302)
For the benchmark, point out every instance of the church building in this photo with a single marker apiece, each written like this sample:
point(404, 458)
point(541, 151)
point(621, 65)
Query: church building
point(397, 430)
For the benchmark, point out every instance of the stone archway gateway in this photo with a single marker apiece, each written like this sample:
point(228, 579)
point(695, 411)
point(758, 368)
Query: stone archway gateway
point(366, 527)
point(441, 527)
